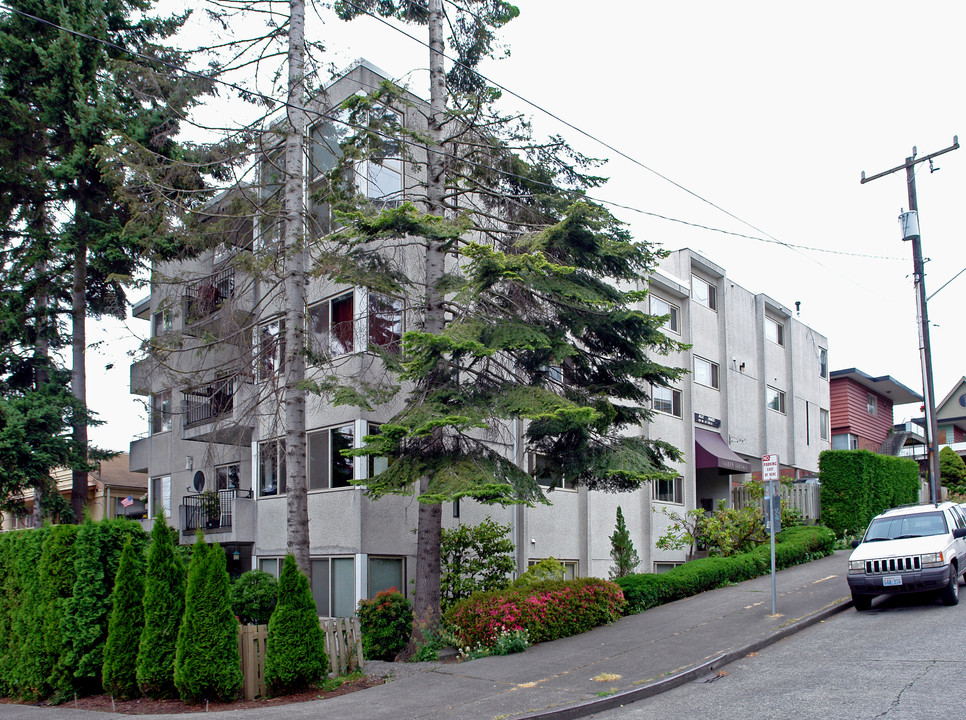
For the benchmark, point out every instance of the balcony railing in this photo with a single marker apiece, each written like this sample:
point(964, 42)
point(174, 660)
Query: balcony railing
point(204, 404)
point(210, 511)
point(204, 297)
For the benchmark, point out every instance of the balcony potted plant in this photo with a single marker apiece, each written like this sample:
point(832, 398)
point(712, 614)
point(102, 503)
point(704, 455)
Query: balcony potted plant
point(210, 509)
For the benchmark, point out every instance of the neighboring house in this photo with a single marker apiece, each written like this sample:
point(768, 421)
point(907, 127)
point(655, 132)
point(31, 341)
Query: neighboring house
point(758, 384)
point(950, 425)
point(861, 412)
point(113, 490)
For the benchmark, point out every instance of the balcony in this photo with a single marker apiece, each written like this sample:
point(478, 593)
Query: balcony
point(232, 514)
point(139, 459)
point(219, 412)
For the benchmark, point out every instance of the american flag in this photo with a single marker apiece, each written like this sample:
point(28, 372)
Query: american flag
point(128, 501)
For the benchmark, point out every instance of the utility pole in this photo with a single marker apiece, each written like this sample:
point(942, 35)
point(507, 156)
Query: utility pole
point(911, 232)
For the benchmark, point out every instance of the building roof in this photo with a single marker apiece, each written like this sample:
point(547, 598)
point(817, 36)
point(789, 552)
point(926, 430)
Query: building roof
point(885, 385)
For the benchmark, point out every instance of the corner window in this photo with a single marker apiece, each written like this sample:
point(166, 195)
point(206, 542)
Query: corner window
point(270, 350)
point(666, 400)
point(333, 586)
point(663, 307)
point(872, 404)
point(775, 399)
point(377, 463)
point(227, 476)
point(161, 412)
point(669, 490)
point(823, 363)
point(332, 326)
point(546, 474)
point(823, 422)
point(161, 323)
point(704, 293)
point(327, 466)
point(845, 441)
point(385, 321)
point(705, 372)
point(386, 573)
point(774, 331)
point(160, 498)
point(271, 468)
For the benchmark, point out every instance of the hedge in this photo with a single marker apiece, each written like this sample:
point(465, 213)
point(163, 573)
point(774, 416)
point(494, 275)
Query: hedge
point(547, 611)
point(857, 485)
point(793, 546)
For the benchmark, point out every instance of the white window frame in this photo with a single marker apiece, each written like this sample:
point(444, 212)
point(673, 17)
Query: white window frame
point(851, 441)
point(662, 488)
point(324, 481)
point(164, 490)
point(278, 469)
point(537, 463)
point(662, 397)
point(162, 413)
point(331, 341)
point(825, 432)
point(571, 567)
point(709, 375)
point(660, 306)
point(872, 404)
point(704, 292)
point(774, 331)
point(775, 399)
point(225, 470)
point(269, 349)
point(823, 363)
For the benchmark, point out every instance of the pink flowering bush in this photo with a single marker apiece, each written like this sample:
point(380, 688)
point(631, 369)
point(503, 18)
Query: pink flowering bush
point(546, 611)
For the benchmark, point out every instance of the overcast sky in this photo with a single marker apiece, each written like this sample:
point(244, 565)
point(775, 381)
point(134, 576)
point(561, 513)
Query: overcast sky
point(768, 110)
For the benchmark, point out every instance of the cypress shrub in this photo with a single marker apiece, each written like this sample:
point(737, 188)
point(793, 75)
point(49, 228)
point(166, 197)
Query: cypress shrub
point(164, 589)
point(26, 674)
point(295, 657)
point(7, 598)
point(386, 622)
point(57, 568)
point(207, 664)
point(125, 625)
point(253, 597)
point(97, 551)
point(857, 485)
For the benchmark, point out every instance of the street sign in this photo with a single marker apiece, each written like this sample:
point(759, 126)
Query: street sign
point(773, 512)
point(770, 475)
point(769, 467)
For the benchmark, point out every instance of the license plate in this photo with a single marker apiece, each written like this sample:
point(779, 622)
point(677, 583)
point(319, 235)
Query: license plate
point(892, 580)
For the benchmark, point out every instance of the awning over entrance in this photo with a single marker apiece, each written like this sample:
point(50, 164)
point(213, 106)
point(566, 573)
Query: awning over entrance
point(711, 451)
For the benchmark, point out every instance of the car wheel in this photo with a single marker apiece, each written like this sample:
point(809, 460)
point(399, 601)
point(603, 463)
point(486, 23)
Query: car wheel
point(950, 594)
point(862, 602)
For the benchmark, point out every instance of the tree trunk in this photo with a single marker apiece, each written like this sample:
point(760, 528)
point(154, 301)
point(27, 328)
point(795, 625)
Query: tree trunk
point(41, 355)
point(293, 226)
point(78, 374)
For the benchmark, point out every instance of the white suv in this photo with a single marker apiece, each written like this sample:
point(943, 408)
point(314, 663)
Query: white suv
point(910, 549)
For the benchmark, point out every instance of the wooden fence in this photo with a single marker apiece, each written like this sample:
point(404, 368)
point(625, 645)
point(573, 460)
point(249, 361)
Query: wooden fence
point(803, 497)
point(343, 645)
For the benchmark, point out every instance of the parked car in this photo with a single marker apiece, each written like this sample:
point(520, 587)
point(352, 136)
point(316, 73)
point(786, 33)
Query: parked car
point(914, 548)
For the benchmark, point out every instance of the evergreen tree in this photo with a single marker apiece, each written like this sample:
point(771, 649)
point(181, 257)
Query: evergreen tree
point(164, 590)
point(58, 568)
point(207, 664)
point(125, 626)
point(25, 672)
point(295, 657)
point(952, 470)
point(622, 550)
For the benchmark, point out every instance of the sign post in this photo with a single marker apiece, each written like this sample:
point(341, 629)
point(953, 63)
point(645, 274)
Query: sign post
point(773, 513)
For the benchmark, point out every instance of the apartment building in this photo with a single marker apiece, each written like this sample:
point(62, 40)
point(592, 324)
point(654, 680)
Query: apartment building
point(214, 453)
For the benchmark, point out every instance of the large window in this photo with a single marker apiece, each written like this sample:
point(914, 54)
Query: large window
point(227, 477)
point(386, 573)
point(669, 490)
point(666, 400)
point(332, 324)
point(775, 399)
point(161, 412)
point(376, 463)
point(871, 404)
point(271, 468)
point(704, 293)
point(327, 467)
point(705, 372)
point(545, 472)
point(385, 321)
point(333, 586)
point(823, 422)
point(774, 331)
point(160, 499)
point(270, 350)
point(663, 307)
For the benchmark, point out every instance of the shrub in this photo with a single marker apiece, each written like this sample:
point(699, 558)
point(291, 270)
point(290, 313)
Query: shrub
point(207, 664)
point(295, 657)
point(622, 550)
point(25, 674)
point(857, 485)
point(475, 558)
point(387, 623)
point(164, 589)
point(57, 566)
point(540, 572)
point(952, 470)
point(792, 547)
point(547, 611)
point(730, 531)
point(124, 628)
point(253, 597)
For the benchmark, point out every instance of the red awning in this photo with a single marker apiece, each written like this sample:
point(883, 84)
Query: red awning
point(711, 451)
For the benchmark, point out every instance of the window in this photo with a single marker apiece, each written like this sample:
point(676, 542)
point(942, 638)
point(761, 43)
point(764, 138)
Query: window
point(161, 323)
point(704, 293)
point(161, 412)
point(327, 466)
point(705, 372)
point(160, 500)
point(662, 307)
point(823, 423)
point(823, 363)
point(385, 321)
point(775, 399)
point(270, 352)
point(774, 331)
point(663, 567)
point(271, 467)
point(546, 474)
point(669, 490)
point(845, 441)
point(386, 573)
point(378, 463)
point(570, 567)
point(666, 400)
point(226, 477)
point(332, 326)
point(333, 586)
point(270, 566)
point(871, 404)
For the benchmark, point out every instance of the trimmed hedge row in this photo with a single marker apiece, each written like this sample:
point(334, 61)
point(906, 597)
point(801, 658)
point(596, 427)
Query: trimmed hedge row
point(793, 546)
point(547, 611)
point(857, 485)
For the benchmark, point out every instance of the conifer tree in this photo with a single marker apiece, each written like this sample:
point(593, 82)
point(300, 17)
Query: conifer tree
point(622, 549)
point(124, 628)
point(58, 568)
point(207, 664)
point(164, 590)
point(25, 672)
point(295, 658)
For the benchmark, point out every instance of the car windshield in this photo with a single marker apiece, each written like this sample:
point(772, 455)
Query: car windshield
point(907, 526)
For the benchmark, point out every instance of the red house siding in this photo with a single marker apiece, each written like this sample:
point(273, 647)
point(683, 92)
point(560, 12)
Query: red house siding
point(849, 413)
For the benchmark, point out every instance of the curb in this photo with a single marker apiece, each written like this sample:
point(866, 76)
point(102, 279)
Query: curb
point(656, 688)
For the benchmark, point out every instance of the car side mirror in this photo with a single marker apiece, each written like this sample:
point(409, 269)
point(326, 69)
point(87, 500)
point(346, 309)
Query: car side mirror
point(856, 543)
point(959, 532)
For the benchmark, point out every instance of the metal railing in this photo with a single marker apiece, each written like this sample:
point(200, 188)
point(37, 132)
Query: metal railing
point(205, 403)
point(210, 510)
point(203, 297)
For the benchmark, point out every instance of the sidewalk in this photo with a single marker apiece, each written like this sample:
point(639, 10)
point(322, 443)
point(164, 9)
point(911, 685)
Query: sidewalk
point(634, 658)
